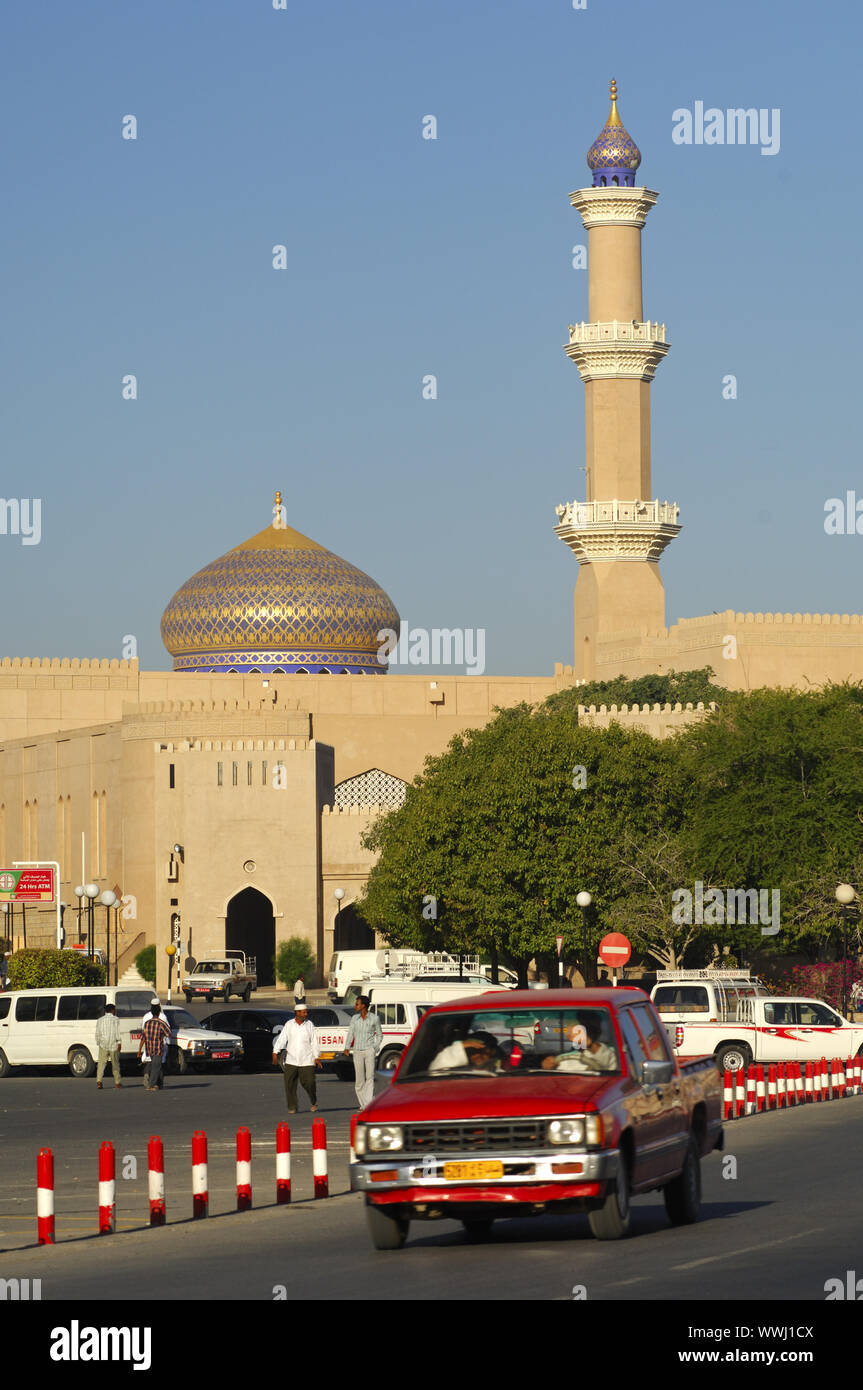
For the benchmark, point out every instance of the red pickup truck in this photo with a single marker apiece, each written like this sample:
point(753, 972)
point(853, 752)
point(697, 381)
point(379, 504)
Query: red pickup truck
point(517, 1103)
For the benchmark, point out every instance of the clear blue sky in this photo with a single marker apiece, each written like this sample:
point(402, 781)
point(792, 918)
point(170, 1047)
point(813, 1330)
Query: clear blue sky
point(408, 257)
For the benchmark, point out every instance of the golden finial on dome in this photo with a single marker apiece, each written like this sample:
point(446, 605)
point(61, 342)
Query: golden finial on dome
point(614, 118)
point(278, 519)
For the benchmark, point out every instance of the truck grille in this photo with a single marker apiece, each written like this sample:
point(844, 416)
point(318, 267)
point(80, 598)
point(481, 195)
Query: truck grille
point(472, 1136)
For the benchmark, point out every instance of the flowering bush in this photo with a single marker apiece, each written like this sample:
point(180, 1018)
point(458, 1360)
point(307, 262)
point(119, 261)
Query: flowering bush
point(821, 981)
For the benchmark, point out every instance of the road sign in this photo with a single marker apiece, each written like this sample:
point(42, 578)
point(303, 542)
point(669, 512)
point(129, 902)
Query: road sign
point(558, 941)
point(614, 949)
point(27, 885)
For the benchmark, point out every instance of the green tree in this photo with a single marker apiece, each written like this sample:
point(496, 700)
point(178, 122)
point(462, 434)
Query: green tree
point(675, 687)
point(145, 964)
point(294, 957)
point(501, 831)
point(778, 781)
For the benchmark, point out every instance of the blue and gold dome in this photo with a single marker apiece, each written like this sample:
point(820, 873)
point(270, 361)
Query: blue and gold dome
point(279, 602)
point(614, 155)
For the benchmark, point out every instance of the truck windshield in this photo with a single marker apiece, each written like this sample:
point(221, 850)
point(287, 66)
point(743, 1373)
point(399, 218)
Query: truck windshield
point(511, 1043)
point(211, 967)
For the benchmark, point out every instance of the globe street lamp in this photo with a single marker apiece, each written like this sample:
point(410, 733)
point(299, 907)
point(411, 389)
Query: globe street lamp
point(109, 899)
point(91, 893)
point(338, 894)
point(845, 895)
point(584, 900)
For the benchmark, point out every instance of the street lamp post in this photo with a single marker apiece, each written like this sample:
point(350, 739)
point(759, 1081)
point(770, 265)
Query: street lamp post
point(91, 893)
point(583, 900)
point(845, 895)
point(108, 899)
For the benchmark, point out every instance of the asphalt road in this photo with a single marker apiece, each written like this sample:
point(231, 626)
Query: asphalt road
point(788, 1222)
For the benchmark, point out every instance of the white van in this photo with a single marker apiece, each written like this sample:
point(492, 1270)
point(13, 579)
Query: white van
point(348, 966)
point(704, 996)
point(57, 1027)
point(382, 988)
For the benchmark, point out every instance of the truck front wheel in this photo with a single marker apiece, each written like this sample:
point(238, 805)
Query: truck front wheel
point(387, 1230)
point(683, 1194)
point(246, 994)
point(732, 1057)
point(611, 1220)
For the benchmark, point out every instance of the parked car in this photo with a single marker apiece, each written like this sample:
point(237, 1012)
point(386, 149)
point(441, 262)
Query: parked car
point(481, 1123)
point(259, 1028)
point(194, 1046)
point(222, 976)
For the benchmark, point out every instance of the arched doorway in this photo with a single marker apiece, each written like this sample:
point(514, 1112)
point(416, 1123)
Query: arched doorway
point(251, 927)
point(352, 932)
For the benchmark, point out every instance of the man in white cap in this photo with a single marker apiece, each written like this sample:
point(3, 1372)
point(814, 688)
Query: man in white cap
point(300, 1041)
point(144, 1058)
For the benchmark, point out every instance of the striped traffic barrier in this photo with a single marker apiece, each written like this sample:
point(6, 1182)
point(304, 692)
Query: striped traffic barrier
point(107, 1189)
point(799, 1091)
point(771, 1086)
point(156, 1180)
point(760, 1089)
point(244, 1169)
point(740, 1092)
point(727, 1102)
point(319, 1158)
point(810, 1081)
point(843, 1079)
point(782, 1084)
point(820, 1078)
point(45, 1196)
point(854, 1064)
point(200, 1194)
point(750, 1090)
point(283, 1163)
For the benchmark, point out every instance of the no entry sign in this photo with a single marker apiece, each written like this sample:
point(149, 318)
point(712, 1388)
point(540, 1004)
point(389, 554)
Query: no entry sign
point(27, 885)
point(614, 949)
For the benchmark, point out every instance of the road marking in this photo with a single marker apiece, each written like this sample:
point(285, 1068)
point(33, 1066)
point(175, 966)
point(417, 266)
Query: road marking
point(749, 1249)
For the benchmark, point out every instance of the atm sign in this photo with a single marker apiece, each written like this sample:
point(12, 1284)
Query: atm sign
point(27, 885)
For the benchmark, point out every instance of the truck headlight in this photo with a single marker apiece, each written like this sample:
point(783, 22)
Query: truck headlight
point(565, 1131)
point(385, 1138)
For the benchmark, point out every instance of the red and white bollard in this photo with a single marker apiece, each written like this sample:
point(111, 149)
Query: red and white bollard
point(200, 1194)
point(156, 1180)
point(244, 1169)
point(771, 1086)
point(799, 1092)
point(319, 1158)
point(810, 1081)
point(727, 1103)
point(760, 1089)
point(750, 1090)
point(45, 1196)
point(782, 1084)
point(107, 1189)
point(353, 1153)
point(843, 1079)
point(740, 1092)
point(820, 1069)
point(283, 1163)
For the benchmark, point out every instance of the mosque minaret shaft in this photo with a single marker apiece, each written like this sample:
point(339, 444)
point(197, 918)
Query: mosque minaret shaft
point(618, 532)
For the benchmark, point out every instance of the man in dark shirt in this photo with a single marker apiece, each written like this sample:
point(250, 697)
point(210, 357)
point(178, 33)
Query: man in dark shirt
point(155, 1034)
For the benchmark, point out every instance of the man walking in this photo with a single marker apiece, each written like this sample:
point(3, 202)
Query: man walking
point(146, 1058)
point(155, 1035)
point(108, 1043)
point(300, 1041)
point(365, 1036)
point(299, 992)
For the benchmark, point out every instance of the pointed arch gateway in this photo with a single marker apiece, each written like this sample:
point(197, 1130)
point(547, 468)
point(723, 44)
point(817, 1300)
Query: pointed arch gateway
point(251, 927)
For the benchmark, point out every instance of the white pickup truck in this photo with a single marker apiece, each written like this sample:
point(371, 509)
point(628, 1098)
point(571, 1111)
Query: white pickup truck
point(775, 1029)
point(221, 976)
point(398, 1021)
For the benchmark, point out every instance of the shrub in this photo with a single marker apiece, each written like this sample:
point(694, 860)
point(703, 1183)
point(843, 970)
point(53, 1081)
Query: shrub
point(821, 981)
point(32, 969)
point(145, 964)
point(294, 957)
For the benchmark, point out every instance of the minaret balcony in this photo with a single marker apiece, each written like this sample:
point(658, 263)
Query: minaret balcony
point(613, 207)
point(617, 349)
point(618, 529)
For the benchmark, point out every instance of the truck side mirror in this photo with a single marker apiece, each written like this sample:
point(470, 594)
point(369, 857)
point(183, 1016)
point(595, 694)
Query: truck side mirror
point(656, 1073)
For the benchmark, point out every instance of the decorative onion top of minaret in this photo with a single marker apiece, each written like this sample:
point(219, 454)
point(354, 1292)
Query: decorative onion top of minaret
point(614, 155)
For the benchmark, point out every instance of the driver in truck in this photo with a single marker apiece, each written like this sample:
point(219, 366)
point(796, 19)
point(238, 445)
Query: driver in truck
point(588, 1052)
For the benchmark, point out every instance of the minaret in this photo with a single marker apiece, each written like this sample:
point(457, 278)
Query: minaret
point(617, 533)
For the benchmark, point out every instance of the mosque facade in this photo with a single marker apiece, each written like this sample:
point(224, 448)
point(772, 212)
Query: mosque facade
point(224, 801)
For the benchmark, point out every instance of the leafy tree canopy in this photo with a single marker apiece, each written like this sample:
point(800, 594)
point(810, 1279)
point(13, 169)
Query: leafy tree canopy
point(676, 687)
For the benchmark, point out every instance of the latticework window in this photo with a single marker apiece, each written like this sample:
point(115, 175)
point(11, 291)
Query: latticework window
point(374, 788)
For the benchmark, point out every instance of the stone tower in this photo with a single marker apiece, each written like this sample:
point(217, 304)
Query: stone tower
point(618, 533)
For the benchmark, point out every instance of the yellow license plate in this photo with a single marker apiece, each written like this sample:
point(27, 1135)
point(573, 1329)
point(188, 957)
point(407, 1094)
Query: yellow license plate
point(461, 1172)
point(327, 1056)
